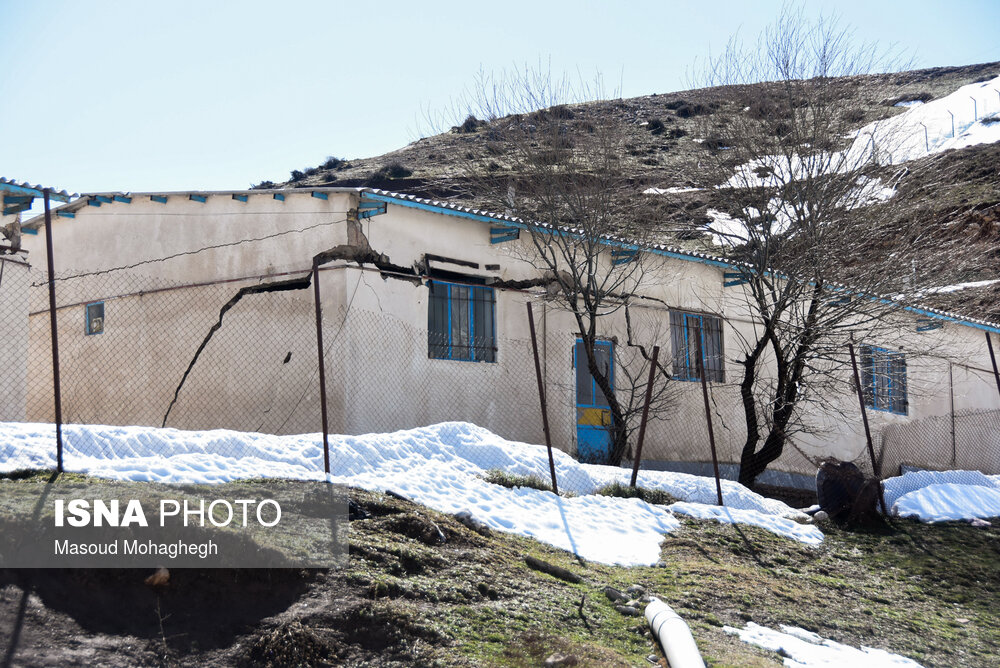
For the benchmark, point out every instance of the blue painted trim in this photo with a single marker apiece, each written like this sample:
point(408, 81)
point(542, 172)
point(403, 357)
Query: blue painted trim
point(319, 195)
point(17, 208)
point(499, 235)
point(733, 278)
point(65, 214)
point(18, 199)
point(240, 198)
point(198, 198)
point(367, 209)
point(623, 256)
point(32, 192)
point(280, 197)
point(926, 324)
point(123, 199)
point(29, 230)
point(93, 202)
point(655, 251)
point(162, 199)
point(103, 199)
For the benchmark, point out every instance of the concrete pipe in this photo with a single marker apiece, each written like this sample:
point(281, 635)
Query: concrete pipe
point(674, 635)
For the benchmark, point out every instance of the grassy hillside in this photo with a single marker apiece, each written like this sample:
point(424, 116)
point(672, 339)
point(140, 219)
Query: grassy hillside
point(423, 589)
point(668, 139)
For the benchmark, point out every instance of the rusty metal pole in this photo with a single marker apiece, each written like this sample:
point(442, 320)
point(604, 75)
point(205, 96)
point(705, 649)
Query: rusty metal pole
point(645, 415)
point(993, 358)
point(541, 398)
point(322, 369)
point(57, 394)
point(708, 415)
point(876, 469)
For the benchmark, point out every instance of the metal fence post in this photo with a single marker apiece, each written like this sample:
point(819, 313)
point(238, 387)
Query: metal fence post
point(541, 398)
point(322, 368)
point(53, 327)
point(993, 359)
point(876, 469)
point(645, 415)
point(700, 365)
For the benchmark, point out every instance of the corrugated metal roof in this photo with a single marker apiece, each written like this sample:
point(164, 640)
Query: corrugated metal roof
point(451, 208)
point(34, 190)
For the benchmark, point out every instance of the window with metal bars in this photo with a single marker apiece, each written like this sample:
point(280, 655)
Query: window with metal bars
point(883, 379)
point(689, 333)
point(461, 322)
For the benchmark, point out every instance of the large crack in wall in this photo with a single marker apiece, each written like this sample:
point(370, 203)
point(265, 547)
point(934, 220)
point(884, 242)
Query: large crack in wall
point(357, 250)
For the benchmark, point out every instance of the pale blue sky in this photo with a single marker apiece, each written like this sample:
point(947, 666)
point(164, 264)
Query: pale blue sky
point(218, 95)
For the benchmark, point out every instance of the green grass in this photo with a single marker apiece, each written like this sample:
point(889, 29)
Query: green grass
point(927, 592)
point(510, 480)
point(627, 492)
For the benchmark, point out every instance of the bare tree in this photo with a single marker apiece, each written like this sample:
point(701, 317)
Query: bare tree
point(543, 161)
point(809, 212)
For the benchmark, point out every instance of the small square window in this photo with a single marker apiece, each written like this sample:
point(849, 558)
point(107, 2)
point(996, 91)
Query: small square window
point(95, 318)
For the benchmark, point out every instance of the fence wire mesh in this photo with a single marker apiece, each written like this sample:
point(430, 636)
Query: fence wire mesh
point(136, 348)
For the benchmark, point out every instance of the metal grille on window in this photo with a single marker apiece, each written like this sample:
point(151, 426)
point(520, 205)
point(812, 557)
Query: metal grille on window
point(461, 322)
point(883, 379)
point(689, 333)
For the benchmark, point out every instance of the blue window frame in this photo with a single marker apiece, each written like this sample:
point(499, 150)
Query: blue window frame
point(94, 318)
point(461, 322)
point(690, 332)
point(588, 394)
point(883, 379)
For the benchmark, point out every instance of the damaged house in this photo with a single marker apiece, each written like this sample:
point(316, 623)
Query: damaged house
point(197, 310)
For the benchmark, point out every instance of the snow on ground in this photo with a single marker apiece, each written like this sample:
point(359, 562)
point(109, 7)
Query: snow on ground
point(961, 286)
point(805, 649)
point(966, 117)
point(894, 488)
point(674, 190)
point(939, 496)
point(804, 533)
point(940, 503)
point(440, 466)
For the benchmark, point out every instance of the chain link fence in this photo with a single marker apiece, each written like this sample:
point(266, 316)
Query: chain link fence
point(139, 349)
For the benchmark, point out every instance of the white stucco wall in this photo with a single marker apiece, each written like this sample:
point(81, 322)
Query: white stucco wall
point(379, 376)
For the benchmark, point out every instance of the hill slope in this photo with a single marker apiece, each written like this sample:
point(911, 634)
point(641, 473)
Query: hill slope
point(668, 137)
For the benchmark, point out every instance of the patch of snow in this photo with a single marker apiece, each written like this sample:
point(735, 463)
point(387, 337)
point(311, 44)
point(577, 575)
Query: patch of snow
point(440, 466)
point(804, 533)
point(726, 230)
point(729, 231)
point(909, 103)
point(805, 649)
point(963, 118)
point(868, 191)
point(896, 487)
point(944, 502)
point(694, 489)
point(674, 190)
point(961, 286)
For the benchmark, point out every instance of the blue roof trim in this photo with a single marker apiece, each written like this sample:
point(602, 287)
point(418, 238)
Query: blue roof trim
point(515, 222)
point(7, 186)
point(485, 217)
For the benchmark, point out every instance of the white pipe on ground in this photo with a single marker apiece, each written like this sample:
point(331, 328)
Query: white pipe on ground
point(674, 635)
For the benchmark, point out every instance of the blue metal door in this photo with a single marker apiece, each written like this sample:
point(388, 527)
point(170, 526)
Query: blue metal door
point(593, 415)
